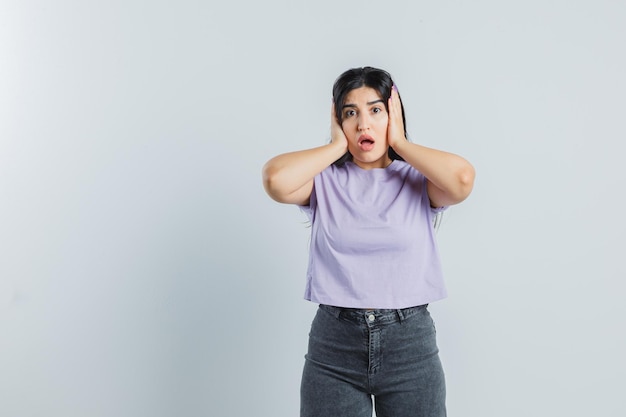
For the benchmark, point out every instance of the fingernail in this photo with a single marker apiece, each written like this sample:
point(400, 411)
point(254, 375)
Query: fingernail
point(394, 87)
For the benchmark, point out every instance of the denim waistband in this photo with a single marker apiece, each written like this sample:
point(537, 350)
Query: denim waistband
point(377, 316)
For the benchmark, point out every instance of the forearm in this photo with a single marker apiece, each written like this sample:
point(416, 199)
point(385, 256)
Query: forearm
point(288, 173)
point(451, 175)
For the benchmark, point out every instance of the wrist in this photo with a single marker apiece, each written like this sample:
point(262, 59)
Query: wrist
point(399, 145)
point(338, 147)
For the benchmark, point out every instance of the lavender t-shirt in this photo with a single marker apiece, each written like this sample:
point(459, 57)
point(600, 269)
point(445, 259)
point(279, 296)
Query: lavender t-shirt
point(372, 239)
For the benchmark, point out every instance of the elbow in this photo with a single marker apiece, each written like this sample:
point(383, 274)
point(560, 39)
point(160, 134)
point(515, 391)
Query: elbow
point(466, 182)
point(269, 174)
point(275, 184)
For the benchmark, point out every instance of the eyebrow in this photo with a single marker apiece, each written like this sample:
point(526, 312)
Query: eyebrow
point(369, 103)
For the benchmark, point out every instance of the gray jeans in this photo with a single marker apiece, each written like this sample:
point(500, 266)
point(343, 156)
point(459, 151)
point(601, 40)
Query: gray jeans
point(390, 355)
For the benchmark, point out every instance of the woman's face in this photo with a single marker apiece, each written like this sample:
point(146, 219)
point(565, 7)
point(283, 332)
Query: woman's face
point(365, 126)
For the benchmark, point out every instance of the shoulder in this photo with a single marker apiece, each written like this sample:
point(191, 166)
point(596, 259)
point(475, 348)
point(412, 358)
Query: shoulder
point(406, 171)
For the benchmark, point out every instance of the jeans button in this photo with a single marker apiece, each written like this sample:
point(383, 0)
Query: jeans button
point(371, 317)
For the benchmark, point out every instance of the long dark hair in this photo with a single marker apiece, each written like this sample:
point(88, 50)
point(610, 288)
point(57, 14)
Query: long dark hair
point(375, 78)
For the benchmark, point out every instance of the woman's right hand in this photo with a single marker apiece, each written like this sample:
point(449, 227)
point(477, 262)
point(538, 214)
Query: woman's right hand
point(288, 178)
point(337, 136)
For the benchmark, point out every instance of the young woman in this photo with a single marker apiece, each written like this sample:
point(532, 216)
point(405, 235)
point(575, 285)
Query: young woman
point(372, 197)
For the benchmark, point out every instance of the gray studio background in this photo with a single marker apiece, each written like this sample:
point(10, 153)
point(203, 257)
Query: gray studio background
point(144, 272)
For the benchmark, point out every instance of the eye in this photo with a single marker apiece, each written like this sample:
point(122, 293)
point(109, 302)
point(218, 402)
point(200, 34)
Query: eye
point(376, 110)
point(349, 113)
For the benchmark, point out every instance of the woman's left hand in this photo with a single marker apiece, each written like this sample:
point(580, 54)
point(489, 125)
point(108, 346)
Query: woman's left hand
point(395, 127)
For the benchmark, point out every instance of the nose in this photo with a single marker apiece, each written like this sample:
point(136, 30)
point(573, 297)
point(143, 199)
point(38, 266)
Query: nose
point(363, 122)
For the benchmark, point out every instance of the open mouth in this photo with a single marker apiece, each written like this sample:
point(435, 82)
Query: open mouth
point(366, 143)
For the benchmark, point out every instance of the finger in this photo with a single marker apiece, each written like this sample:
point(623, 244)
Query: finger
point(393, 103)
point(395, 114)
point(396, 96)
point(333, 118)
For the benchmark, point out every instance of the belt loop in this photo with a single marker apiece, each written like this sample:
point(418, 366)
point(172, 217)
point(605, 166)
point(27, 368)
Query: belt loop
point(400, 315)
